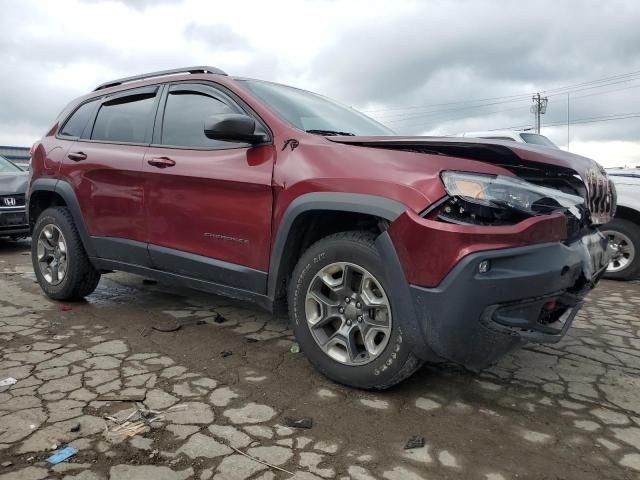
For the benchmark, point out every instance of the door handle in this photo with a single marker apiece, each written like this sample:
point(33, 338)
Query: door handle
point(161, 162)
point(77, 156)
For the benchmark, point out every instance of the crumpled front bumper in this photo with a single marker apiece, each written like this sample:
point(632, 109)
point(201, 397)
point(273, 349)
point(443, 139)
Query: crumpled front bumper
point(529, 293)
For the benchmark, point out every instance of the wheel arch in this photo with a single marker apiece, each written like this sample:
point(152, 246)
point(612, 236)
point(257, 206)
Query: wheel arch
point(628, 213)
point(45, 193)
point(315, 215)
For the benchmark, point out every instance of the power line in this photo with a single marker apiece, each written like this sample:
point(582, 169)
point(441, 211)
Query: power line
point(550, 92)
point(397, 118)
point(605, 79)
point(603, 118)
point(447, 103)
point(438, 113)
point(594, 86)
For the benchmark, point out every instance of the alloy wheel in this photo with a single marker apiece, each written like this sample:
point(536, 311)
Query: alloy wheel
point(52, 254)
point(623, 251)
point(348, 313)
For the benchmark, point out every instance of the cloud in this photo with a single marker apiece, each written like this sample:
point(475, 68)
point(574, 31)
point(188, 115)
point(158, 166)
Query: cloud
point(216, 37)
point(396, 59)
point(139, 4)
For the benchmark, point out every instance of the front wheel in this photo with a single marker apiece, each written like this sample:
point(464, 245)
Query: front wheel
point(342, 316)
point(60, 262)
point(624, 241)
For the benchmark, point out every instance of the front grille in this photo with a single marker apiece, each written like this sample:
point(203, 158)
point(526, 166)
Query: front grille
point(601, 197)
point(12, 220)
point(8, 201)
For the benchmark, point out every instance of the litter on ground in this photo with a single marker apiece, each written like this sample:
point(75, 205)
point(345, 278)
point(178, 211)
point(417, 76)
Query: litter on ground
point(62, 455)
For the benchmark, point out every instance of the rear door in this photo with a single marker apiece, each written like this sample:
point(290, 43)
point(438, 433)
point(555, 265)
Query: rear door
point(208, 202)
point(104, 167)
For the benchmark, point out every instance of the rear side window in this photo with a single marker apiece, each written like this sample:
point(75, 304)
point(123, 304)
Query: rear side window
point(184, 118)
point(78, 121)
point(537, 139)
point(498, 138)
point(124, 119)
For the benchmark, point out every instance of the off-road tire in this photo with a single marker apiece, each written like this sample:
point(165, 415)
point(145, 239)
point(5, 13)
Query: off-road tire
point(632, 231)
point(396, 362)
point(81, 278)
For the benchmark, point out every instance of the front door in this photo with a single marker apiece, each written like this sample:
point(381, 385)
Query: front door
point(208, 202)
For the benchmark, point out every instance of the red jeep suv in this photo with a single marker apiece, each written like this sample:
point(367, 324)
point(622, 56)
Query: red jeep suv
point(389, 251)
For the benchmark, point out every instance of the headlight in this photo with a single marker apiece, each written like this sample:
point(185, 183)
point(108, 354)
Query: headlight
point(495, 199)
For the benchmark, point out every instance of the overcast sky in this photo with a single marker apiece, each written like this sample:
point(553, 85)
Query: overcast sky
point(421, 67)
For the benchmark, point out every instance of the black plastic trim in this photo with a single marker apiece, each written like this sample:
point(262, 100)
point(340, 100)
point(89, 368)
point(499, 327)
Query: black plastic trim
point(184, 281)
point(401, 299)
point(332, 201)
point(123, 250)
point(65, 190)
point(460, 317)
point(208, 269)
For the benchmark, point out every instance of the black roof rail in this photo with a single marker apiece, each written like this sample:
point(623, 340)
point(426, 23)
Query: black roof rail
point(161, 73)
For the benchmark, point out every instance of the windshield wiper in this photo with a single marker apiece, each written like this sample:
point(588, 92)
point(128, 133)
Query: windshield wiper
point(330, 133)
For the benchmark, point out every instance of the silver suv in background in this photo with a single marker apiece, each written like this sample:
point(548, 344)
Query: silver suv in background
point(624, 230)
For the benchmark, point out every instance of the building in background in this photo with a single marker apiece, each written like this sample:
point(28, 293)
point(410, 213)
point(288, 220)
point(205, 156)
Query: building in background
point(18, 155)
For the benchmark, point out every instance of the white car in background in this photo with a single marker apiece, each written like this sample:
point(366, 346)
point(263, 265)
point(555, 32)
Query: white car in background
point(520, 136)
point(624, 230)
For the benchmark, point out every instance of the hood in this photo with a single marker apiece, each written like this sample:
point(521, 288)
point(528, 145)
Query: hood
point(499, 152)
point(13, 183)
point(524, 160)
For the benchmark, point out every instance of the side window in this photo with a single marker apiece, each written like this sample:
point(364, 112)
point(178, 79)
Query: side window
point(124, 119)
point(184, 117)
point(78, 120)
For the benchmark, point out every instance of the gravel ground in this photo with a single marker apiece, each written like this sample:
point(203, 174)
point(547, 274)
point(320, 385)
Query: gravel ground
point(225, 385)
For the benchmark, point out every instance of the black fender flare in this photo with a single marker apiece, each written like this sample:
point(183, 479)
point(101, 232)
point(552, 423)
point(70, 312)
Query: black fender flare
point(382, 207)
point(333, 201)
point(65, 190)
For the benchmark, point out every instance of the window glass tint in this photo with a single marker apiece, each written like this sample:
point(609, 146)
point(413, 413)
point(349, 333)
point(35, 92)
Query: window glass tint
point(537, 139)
point(75, 125)
point(124, 119)
point(184, 118)
point(309, 111)
point(499, 138)
point(7, 167)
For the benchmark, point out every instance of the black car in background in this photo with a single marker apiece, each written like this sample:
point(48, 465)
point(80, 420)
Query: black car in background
point(13, 185)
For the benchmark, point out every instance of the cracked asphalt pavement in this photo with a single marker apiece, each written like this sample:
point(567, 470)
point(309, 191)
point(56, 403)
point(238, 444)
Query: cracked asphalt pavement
point(212, 399)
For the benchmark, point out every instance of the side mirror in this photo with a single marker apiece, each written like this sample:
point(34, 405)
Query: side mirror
point(232, 127)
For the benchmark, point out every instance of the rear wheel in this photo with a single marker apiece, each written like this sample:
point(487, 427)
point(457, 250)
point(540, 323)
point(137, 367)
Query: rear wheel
point(61, 265)
point(624, 241)
point(342, 316)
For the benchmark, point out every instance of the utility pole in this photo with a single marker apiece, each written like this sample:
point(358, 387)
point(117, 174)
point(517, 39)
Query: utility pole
point(538, 108)
point(568, 121)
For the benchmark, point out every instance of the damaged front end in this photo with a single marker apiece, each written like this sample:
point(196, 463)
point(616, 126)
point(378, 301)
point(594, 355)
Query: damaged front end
point(501, 258)
point(481, 199)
